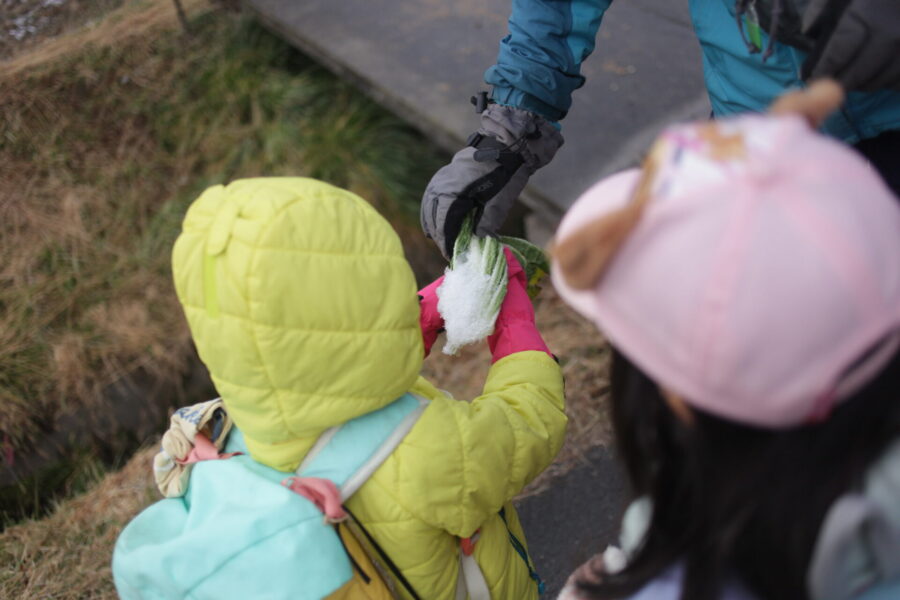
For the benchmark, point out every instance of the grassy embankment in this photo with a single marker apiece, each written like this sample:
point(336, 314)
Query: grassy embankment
point(104, 144)
point(106, 137)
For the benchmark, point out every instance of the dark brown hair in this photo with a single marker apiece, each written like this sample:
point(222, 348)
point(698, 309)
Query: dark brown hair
point(734, 502)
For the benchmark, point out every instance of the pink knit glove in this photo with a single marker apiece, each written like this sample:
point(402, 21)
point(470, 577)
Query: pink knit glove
point(430, 320)
point(515, 330)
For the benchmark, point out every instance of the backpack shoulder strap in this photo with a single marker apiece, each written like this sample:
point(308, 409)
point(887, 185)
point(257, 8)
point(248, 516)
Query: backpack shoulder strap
point(348, 454)
point(344, 458)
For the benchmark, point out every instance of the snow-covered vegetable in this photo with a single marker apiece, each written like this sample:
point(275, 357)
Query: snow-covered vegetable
point(473, 289)
point(474, 285)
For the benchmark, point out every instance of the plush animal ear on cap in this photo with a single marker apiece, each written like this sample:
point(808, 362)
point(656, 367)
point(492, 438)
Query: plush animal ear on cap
point(815, 102)
point(585, 255)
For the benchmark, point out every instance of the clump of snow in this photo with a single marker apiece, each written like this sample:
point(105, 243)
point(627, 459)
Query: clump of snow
point(469, 299)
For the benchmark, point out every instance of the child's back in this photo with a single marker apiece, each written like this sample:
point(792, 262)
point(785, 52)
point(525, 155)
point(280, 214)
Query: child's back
point(304, 310)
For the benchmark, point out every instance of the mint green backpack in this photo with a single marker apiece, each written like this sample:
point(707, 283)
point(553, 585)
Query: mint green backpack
point(241, 531)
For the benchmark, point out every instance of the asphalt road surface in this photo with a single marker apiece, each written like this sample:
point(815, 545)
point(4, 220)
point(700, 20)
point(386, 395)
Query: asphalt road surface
point(574, 519)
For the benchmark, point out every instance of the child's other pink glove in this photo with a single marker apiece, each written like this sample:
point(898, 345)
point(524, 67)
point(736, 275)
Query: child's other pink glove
point(430, 319)
point(515, 330)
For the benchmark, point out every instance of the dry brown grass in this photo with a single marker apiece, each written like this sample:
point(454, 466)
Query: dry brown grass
point(67, 555)
point(105, 135)
point(81, 305)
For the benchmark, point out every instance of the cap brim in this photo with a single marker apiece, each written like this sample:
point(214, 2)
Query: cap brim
point(604, 197)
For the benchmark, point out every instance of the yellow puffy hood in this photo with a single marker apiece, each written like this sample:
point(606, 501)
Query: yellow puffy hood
point(301, 305)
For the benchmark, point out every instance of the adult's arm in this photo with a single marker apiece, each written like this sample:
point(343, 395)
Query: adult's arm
point(538, 67)
point(539, 63)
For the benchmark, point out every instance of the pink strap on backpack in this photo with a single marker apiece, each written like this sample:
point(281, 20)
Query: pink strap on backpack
point(467, 545)
point(203, 450)
point(321, 492)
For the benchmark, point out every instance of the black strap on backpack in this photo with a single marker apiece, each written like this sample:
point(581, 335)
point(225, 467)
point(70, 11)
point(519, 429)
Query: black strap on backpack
point(365, 576)
point(384, 557)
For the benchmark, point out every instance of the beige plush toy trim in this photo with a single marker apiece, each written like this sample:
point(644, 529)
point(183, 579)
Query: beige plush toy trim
point(170, 474)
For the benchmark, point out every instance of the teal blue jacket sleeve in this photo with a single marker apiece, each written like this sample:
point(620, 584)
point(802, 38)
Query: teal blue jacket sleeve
point(539, 63)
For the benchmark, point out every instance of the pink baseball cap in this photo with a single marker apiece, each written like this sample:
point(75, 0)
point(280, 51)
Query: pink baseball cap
point(760, 284)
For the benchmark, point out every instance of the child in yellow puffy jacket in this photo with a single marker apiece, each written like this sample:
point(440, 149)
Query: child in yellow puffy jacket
point(305, 311)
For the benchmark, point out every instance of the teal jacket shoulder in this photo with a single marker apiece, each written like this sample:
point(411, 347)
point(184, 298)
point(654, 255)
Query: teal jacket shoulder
point(539, 65)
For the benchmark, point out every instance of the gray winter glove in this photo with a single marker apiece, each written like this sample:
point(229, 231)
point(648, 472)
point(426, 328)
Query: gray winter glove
point(488, 174)
point(857, 43)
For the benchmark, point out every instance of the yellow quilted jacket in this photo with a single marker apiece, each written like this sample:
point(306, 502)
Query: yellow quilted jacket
point(304, 309)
